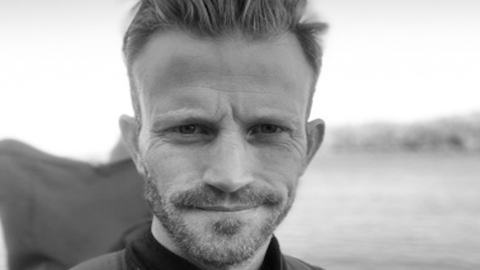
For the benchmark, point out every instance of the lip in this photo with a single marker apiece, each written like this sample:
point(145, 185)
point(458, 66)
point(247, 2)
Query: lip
point(226, 208)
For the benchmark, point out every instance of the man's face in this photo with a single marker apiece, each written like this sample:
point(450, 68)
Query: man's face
point(223, 140)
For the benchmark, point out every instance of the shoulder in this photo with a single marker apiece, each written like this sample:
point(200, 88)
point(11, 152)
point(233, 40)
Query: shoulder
point(297, 264)
point(111, 261)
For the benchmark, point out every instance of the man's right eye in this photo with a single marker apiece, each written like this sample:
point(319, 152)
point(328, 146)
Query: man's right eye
point(191, 129)
point(188, 129)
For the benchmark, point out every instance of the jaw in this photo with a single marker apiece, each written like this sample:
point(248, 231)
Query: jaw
point(219, 240)
point(250, 262)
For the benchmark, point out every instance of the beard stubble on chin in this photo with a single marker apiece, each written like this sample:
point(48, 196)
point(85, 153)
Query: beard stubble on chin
point(224, 242)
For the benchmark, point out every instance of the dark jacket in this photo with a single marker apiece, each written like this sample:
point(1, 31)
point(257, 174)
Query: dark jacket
point(145, 253)
point(116, 261)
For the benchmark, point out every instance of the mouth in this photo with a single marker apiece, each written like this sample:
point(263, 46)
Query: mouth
point(238, 208)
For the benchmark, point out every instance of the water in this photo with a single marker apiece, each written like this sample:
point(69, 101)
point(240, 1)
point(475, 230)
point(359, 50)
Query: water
point(388, 212)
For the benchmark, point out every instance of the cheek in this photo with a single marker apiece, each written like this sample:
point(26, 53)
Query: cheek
point(280, 168)
point(171, 167)
point(280, 158)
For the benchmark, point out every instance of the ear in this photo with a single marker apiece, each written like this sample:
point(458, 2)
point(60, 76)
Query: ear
point(315, 134)
point(130, 129)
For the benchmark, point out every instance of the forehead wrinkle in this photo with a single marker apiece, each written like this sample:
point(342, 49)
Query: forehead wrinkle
point(179, 114)
point(276, 114)
point(223, 89)
point(225, 83)
point(210, 58)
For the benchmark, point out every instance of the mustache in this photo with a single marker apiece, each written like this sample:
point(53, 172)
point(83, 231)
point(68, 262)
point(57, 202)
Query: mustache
point(205, 195)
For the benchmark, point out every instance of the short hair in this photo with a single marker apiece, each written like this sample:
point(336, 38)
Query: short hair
point(254, 19)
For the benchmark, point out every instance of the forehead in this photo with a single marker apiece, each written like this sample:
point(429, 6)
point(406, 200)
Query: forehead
point(175, 60)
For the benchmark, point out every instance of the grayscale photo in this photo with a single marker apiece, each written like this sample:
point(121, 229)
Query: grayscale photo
point(240, 134)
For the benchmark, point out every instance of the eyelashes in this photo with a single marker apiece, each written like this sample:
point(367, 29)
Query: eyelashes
point(199, 132)
point(267, 129)
point(192, 129)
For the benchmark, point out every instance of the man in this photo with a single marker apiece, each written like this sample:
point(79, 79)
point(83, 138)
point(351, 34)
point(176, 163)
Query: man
point(222, 91)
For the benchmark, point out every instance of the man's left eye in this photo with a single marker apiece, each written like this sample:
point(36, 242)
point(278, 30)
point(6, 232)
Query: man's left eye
point(266, 129)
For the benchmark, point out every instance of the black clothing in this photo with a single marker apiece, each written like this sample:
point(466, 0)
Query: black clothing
point(145, 253)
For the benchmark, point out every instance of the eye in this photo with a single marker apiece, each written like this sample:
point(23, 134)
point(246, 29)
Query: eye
point(188, 129)
point(191, 129)
point(266, 129)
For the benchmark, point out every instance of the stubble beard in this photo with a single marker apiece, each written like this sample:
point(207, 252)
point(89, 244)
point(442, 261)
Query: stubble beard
point(224, 243)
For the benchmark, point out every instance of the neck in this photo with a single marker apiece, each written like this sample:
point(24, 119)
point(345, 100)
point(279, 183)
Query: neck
point(162, 237)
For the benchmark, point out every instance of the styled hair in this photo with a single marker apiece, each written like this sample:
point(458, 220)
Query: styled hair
point(255, 20)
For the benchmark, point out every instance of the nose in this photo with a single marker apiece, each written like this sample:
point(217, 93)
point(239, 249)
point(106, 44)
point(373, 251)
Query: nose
point(228, 166)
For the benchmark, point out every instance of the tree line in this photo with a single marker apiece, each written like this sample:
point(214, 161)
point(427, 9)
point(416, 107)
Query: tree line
point(449, 134)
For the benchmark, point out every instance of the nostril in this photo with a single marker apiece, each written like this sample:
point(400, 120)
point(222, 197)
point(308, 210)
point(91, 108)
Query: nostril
point(227, 181)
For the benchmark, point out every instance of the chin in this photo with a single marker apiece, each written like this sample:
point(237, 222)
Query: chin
point(225, 242)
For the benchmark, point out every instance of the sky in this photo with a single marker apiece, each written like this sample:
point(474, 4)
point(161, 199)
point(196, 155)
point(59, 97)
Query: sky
point(63, 84)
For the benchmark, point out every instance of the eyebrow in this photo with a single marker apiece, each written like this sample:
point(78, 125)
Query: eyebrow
point(182, 115)
point(278, 118)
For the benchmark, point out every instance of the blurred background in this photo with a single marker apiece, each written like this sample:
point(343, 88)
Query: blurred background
point(397, 183)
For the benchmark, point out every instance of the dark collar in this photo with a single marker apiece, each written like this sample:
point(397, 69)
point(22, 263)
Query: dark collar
point(146, 253)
